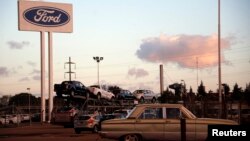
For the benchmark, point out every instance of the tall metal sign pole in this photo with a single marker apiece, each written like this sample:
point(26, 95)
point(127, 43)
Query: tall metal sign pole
point(42, 77)
point(45, 17)
point(219, 62)
point(50, 76)
point(161, 79)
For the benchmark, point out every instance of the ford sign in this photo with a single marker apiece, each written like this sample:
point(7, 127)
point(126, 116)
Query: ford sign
point(46, 16)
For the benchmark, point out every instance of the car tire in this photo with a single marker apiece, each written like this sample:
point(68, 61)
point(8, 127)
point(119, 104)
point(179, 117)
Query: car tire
point(87, 95)
point(99, 96)
point(95, 129)
point(142, 100)
point(153, 100)
point(131, 137)
point(59, 94)
point(77, 131)
point(72, 93)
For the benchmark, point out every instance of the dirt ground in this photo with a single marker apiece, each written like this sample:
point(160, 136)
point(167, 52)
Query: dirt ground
point(45, 132)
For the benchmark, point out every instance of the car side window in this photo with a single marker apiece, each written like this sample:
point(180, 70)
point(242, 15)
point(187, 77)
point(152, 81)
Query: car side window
point(151, 113)
point(173, 113)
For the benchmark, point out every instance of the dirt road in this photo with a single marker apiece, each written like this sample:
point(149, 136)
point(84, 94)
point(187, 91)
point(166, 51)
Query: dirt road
point(46, 132)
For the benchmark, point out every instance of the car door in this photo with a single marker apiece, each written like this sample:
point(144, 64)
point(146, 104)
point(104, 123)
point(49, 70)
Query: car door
point(150, 124)
point(173, 125)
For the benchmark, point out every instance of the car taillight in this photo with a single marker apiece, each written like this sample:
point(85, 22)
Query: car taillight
point(91, 121)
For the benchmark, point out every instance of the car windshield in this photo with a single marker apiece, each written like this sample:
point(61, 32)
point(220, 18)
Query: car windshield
point(188, 112)
point(95, 86)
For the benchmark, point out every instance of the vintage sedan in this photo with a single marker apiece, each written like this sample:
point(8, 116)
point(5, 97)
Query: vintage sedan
point(158, 122)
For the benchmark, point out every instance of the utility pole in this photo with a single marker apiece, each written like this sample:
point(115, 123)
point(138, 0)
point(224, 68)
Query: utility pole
point(161, 79)
point(219, 62)
point(197, 73)
point(69, 72)
point(29, 105)
point(98, 59)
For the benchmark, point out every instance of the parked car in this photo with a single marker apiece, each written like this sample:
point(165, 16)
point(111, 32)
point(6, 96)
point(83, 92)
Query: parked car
point(25, 117)
point(143, 95)
point(101, 92)
point(64, 115)
point(125, 95)
point(87, 122)
point(159, 122)
point(14, 118)
point(71, 88)
point(4, 120)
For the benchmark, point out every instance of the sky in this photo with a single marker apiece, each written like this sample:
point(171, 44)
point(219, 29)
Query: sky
point(134, 37)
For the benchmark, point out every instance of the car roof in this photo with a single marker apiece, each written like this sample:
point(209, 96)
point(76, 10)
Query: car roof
point(141, 107)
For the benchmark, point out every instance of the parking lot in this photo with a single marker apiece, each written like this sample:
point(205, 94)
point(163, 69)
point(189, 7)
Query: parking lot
point(45, 132)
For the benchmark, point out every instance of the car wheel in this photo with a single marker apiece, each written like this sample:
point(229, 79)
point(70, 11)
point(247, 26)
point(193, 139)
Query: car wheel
point(77, 131)
point(59, 94)
point(141, 100)
point(112, 99)
point(99, 96)
point(131, 137)
point(72, 93)
point(153, 100)
point(95, 129)
point(87, 95)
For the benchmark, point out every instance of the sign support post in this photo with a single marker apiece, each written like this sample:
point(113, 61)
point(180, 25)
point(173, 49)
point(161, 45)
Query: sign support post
point(42, 77)
point(50, 76)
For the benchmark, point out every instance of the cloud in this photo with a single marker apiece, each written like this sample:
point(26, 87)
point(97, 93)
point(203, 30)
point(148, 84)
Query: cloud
point(4, 72)
point(36, 77)
point(32, 64)
point(35, 71)
point(183, 50)
point(137, 72)
point(24, 79)
point(17, 45)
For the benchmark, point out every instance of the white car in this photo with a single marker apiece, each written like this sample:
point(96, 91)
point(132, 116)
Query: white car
point(14, 119)
point(143, 95)
point(101, 92)
point(25, 117)
point(4, 120)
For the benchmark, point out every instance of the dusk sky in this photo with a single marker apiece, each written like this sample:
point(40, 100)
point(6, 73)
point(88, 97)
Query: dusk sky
point(134, 37)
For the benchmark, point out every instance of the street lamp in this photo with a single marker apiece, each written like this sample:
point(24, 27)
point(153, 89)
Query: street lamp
point(29, 105)
point(98, 59)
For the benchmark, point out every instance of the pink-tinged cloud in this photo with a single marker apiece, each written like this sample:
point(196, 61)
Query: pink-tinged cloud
point(183, 50)
point(4, 72)
point(137, 72)
point(17, 45)
point(24, 79)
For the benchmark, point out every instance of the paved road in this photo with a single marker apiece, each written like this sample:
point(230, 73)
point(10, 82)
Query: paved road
point(46, 132)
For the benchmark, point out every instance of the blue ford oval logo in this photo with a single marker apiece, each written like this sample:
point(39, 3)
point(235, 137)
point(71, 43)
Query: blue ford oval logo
point(46, 16)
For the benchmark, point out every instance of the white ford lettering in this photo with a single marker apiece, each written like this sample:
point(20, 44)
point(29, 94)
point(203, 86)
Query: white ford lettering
point(42, 16)
point(216, 132)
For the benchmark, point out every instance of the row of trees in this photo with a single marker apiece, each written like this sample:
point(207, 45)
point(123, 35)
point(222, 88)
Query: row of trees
point(182, 94)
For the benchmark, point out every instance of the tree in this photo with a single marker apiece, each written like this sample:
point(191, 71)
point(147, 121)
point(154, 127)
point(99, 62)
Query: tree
point(22, 99)
point(237, 93)
point(166, 97)
point(4, 100)
point(226, 89)
point(247, 93)
point(201, 91)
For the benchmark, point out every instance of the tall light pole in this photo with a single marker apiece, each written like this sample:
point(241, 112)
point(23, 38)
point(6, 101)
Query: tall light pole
point(98, 59)
point(219, 62)
point(29, 105)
